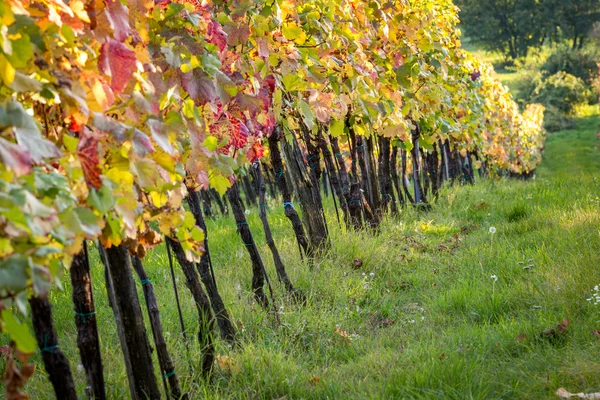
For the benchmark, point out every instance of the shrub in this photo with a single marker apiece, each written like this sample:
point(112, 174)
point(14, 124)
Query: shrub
point(579, 63)
point(563, 92)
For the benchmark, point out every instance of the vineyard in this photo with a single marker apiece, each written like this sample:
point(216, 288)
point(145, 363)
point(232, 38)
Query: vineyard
point(136, 134)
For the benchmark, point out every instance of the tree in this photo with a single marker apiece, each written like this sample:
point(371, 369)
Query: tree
point(574, 18)
point(511, 27)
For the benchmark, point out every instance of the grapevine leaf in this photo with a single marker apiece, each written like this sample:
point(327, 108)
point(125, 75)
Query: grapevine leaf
point(117, 61)
point(293, 82)
point(87, 151)
point(13, 273)
point(160, 136)
point(121, 132)
point(199, 86)
point(26, 131)
point(307, 114)
point(118, 16)
point(18, 332)
point(101, 200)
point(7, 71)
point(219, 183)
point(15, 158)
point(293, 32)
point(336, 128)
point(236, 33)
point(211, 143)
point(23, 83)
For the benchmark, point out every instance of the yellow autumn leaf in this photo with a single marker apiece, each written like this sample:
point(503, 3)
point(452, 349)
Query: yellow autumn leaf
point(7, 71)
point(291, 31)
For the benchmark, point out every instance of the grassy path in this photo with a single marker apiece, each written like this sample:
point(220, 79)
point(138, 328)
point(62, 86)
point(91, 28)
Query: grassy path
point(441, 308)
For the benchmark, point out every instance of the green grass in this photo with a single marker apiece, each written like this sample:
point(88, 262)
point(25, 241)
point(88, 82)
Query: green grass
point(430, 322)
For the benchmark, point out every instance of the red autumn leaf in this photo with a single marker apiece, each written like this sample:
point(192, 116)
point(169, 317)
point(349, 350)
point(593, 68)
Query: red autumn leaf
point(118, 16)
point(118, 62)
point(256, 152)
point(75, 126)
point(239, 133)
point(236, 33)
point(200, 87)
point(216, 35)
point(87, 151)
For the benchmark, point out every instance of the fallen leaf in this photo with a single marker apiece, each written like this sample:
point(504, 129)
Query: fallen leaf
point(343, 334)
point(564, 394)
point(521, 337)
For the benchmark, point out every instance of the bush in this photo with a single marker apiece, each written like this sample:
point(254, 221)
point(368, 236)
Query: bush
point(563, 92)
point(579, 63)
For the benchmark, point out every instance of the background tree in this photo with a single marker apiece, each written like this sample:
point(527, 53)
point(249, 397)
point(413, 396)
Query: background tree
point(511, 27)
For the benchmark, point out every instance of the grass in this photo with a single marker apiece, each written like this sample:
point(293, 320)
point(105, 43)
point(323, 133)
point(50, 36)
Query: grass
point(424, 317)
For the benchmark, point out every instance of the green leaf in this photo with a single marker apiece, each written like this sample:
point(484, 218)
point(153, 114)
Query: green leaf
point(211, 143)
point(13, 273)
point(219, 183)
point(70, 143)
point(294, 32)
point(293, 82)
point(336, 128)
point(403, 75)
point(188, 220)
point(101, 200)
point(197, 234)
point(18, 332)
point(307, 114)
point(23, 83)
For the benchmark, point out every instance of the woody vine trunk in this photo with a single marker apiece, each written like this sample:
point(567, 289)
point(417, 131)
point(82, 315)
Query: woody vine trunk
point(55, 362)
point(205, 319)
point(279, 266)
point(258, 275)
point(164, 358)
point(85, 320)
point(138, 347)
point(286, 193)
point(207, 274)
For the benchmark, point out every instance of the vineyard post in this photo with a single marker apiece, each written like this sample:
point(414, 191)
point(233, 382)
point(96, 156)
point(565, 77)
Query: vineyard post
point(86, 322)
point(334, 178)
point(55, 362)
point(205, 319)
point(405, 181)
point(206, 203)
point(258, 274)
point(215, 195)
point(206, 272)
point(419, 195)
point(286, 193)
point(119, 265)
point(310, 203)
point(164, 358)
point(279, 266)
point(354, 196)
point(112, 301)
point(394, 173)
